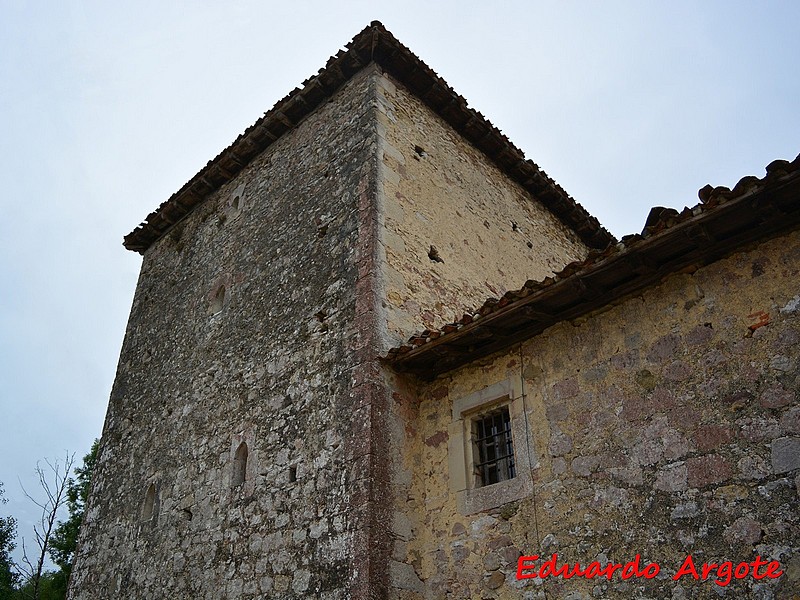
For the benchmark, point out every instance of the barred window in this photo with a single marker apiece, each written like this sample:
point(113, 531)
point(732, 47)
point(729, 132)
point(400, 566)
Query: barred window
point(493, 447)
point(486, 469)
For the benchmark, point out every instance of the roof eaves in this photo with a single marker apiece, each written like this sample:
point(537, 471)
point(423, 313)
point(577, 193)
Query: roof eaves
point(670, 242)
point(374, 44)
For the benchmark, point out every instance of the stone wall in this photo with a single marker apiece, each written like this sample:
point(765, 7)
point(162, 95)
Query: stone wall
point(252, 447)
point(439, 192)
point(664, 426)
point(245, 447)
point(244, 330)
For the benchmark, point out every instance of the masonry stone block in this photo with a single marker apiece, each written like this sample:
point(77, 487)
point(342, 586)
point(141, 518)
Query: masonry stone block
point(786, 454)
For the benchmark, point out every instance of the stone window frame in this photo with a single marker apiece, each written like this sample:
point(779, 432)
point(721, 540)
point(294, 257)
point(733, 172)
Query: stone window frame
point(247, 487)
point(149, 507)
point(219, 296)
point(470, 498)
point(235, 203)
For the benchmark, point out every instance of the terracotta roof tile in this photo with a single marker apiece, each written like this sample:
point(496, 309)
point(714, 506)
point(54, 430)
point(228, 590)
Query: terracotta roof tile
point(671, 240)
point(373, 44)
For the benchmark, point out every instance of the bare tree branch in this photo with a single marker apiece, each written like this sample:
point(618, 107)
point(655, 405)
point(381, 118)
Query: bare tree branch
point(53, 482)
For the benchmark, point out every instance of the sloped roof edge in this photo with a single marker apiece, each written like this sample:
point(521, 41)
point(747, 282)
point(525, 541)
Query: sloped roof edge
point(671, 242)
point(374, 44)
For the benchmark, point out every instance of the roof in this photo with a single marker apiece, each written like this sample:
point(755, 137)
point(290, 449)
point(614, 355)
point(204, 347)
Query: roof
point(373, 44)
point(672, 241)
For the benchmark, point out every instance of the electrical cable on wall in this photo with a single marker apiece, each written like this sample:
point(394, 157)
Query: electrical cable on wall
point(528, 446)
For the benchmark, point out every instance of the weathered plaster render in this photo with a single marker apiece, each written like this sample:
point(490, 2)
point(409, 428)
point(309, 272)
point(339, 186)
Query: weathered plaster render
point(488, 233)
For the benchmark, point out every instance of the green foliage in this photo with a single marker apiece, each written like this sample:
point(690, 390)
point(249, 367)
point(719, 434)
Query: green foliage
point(65, 537)
point(8, 577)
point(52, 586)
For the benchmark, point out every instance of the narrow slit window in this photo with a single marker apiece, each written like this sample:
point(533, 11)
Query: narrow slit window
point(149, 503)
point(218, 301)
point(493, 447)
point(239, 465)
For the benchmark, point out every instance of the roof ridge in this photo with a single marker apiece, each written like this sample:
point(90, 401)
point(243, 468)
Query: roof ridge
point(375, 44)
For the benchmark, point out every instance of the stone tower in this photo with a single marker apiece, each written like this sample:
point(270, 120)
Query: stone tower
point(247, 446)
point(272, 434)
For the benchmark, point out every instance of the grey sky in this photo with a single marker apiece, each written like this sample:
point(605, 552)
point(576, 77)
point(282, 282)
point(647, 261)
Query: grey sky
point(108, 108)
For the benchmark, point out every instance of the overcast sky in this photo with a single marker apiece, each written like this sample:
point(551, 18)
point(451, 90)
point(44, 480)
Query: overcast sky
point(107, 108)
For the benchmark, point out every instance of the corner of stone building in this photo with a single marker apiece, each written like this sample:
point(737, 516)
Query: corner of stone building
point(370, 576)
point(208, 376)
point(398, 392)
